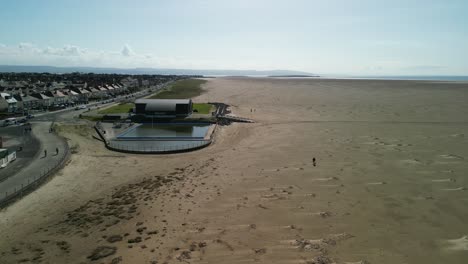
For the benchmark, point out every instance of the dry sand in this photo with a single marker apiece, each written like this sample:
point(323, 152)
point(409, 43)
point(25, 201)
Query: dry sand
point(389, 185)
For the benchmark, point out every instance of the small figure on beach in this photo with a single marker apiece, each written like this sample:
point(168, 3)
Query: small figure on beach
point(314, 162)
point(56, 151)
point(45, 153)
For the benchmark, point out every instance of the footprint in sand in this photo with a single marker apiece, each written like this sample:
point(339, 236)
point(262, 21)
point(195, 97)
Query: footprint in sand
point(330, 185)
point(283, 169)
point(457, 244)
point(454, 189)
point(326, 179)
point(444, 180)
point(451, 156)
point(375, 183)
point(411, 161)
point(324, 214)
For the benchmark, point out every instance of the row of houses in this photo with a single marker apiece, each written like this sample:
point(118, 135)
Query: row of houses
point(16, 100)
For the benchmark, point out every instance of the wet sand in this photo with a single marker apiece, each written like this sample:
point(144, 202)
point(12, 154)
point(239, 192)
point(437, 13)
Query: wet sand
point(388, 185)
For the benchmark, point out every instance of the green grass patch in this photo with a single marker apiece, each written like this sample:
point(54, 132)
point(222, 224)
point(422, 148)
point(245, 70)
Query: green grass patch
point(202, 108)
point(117, 109)
point(91, 118)
point(183, 89)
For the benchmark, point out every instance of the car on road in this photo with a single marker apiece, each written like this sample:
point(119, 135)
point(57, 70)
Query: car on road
point(80, 107)
point(9, 121)
point(23, 120)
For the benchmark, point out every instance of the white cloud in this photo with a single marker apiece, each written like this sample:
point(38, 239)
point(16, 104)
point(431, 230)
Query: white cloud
point(72, 55)
point(67, 50)
point(73, 50)
point(127, 51)
point(25, 46)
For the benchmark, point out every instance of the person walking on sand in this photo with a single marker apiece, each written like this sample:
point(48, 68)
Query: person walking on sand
point(45, 153)
point(56, 151)
point(314, 162)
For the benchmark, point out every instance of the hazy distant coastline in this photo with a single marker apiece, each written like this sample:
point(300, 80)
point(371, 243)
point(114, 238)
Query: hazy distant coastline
point(222, 73)
point(404, 77)
point(294, 76)
point(206, 72)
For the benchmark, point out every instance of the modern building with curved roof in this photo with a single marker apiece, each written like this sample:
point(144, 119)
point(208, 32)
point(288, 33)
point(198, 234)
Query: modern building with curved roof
point(164, 107)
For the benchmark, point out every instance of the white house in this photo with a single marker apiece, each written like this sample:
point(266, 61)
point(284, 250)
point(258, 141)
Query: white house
point(7, 103)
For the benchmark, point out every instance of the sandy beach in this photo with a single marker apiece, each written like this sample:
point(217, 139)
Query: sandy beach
point(389, 183)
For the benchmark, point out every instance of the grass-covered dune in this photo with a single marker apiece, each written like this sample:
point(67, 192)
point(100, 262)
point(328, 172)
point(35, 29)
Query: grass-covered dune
point(183, 89)
point(117, 109)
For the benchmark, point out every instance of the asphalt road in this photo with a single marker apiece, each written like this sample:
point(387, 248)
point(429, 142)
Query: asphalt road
point(39, 163)
point(12, 142)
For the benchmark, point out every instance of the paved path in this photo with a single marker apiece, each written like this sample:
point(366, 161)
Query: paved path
point(12, 142)
point(40, 163)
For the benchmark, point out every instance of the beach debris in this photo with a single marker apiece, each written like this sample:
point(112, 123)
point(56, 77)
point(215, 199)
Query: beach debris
point(184, 255)
point(305, 244)
point(63, 245)
point(102, 252)
point(341, 236)
point(260, 251)
point(224, 243)
point(324, 214)
point(116, 260)
point(134, 240)
point(320, 244)
point(114, 238)
point(270, 196)
point(320, 260)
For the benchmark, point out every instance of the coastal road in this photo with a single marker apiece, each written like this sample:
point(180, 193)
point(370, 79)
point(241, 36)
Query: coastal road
point(37, 164)
point(13, 138)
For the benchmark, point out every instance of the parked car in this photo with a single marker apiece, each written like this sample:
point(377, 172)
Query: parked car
point(9, 121)
point(80, 107)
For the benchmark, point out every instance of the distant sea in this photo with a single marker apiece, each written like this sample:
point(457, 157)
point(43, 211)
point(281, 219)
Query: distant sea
point(407, 77)
point(394, 77)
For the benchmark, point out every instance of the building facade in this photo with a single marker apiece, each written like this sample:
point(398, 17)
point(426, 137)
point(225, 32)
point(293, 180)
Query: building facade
point(164, 107)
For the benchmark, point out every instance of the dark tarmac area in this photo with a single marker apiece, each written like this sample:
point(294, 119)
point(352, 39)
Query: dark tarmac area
point(13, 138)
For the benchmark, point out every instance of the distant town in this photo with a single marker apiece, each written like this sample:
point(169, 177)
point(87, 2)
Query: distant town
point(29, 93)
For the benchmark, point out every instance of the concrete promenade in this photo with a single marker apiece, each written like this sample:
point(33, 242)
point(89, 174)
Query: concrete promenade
point(15, 137)
point(40, 162)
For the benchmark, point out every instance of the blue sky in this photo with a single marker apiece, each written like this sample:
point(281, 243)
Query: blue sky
point(356, 37)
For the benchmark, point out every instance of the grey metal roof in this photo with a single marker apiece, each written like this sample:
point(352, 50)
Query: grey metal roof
point(28, 98)
point(161, 105)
